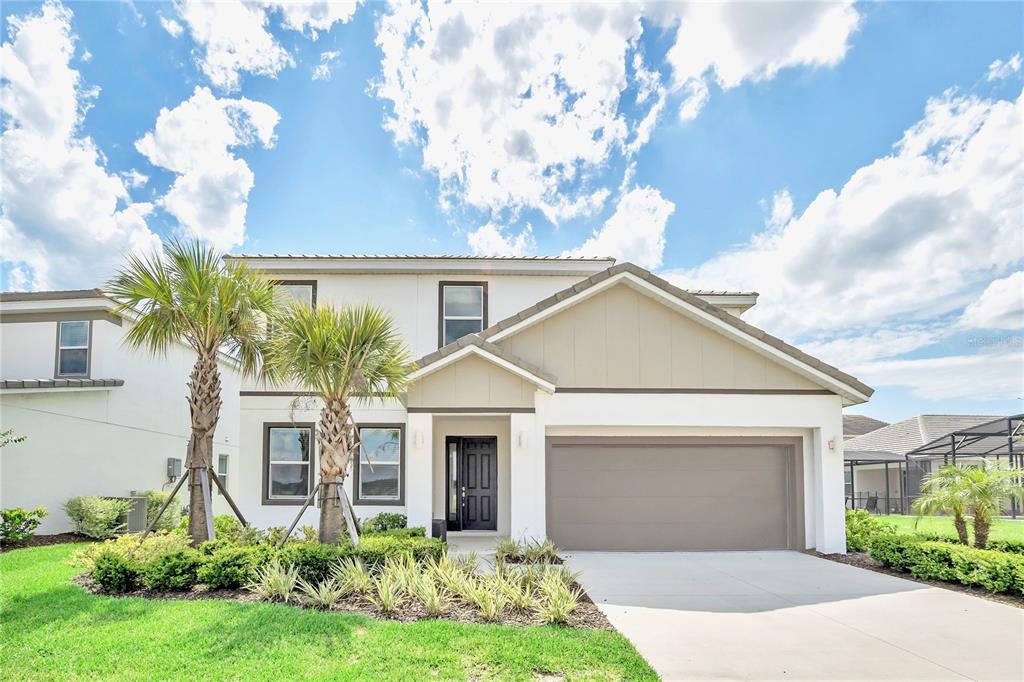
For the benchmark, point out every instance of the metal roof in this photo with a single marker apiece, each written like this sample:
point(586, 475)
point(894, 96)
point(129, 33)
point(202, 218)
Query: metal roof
point(909, 434)
point(859, 424)
point(867, 456)
point(21, 384)
point(991, 437)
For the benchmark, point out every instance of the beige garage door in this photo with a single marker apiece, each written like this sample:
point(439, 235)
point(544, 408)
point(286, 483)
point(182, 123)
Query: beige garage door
point(673, 494)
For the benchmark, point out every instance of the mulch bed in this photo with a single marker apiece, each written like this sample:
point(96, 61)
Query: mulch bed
point(587, 615)
point(863, 560)
point(44, 540)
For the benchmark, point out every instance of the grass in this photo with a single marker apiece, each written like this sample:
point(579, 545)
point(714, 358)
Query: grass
point(1002, 529)
point(52, 629)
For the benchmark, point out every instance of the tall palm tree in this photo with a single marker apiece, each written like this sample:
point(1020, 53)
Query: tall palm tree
point(189, 294)
point(986, 489)
point(339, 354)
point(945, 491)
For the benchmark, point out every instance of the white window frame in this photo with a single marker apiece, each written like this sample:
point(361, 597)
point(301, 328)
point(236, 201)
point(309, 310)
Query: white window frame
point(61, 347)
point(482, 317)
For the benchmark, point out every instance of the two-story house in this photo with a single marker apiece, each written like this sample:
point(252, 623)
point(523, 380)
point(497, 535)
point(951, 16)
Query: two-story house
point(592, 403)
point(99, 419)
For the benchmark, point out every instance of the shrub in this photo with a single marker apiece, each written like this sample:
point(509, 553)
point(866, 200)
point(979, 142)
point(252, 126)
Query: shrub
point(274, 582)
point(414, 532)
point(116, 573)
point(154, 546)
point(929, 560)
point(172, 572)
point(352, 576)
point(98, 517)
point(528, 552)
point(384, 521)
point(231, 566)
point(862, 527)
point(17, 523)
point(486, 595)
point(374, 550)
point(387, 592)
point(225, 527)
point(557, 600)
point(1011, 546)
point(427, 591)
point(314, 560)
point(171, 517)
point(323, 595)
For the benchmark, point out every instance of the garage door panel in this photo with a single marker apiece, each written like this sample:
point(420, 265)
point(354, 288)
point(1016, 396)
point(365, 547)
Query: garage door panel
point(619, 495)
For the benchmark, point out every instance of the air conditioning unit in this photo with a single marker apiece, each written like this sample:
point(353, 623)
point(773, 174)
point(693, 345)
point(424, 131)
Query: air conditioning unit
point(136, 520)
point(173, 468)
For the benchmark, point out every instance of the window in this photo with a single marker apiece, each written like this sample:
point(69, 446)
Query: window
point(222, 471)
point(378, 477)
point(288, 462)
point(297, 291)
point(73, 349)
point(463, 310)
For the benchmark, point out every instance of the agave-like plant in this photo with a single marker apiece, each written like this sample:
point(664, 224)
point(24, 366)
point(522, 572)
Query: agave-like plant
point(352, 576)
point(433, 597)
point(388, 593)
point(274, 582)
point(557, 600)
point(324, 594)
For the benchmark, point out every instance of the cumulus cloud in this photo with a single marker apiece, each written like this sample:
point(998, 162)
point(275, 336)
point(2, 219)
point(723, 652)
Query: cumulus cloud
point(172, 27)
point(635, 232)
point(313, 16)
point(65, 219)
point(982, 376)
point(1000, 306)
point(322, 71)
point(195, 140)
point(730, 43)
point(999, 69)
point(491, 240)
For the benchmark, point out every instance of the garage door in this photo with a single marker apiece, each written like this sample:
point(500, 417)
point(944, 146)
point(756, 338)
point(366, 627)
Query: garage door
point(673, 494)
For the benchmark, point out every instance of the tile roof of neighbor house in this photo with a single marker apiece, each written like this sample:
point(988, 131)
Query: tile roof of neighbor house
point(909, 434)
point(494, 349)
point(859, 424)
point(10, 296)
point(20, 384)
point(381, 256)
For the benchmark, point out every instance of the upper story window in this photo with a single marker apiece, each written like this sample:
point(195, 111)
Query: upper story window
point(378, 477)
point(73, 349)
point(463, 310)
point(297, 291)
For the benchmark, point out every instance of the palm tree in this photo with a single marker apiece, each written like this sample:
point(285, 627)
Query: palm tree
point(944, 491)
point(987, 488)
point(339, 354)
point(189, 294)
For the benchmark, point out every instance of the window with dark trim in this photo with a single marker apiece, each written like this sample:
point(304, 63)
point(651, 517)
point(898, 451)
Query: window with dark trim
point(222, 472)
point(379, 474)
point(288, 460)
point(462, 309)
point(297, 291)
point(73, 348)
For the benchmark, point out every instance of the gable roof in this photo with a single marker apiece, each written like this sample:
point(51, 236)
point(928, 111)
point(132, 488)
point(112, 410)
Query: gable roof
point(841, 381)
point(859, 424)
point(910, 434)
point(472, 344)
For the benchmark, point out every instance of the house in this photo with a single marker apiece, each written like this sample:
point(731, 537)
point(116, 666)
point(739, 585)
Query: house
point(858, 424)
point(572, 398)
point(99, 419)
point(877, 465)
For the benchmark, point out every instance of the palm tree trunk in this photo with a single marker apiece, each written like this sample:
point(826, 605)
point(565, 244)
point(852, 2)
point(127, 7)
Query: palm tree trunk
point(981, 528)
point(204, 406)
point(335, 438)
point(961, 528)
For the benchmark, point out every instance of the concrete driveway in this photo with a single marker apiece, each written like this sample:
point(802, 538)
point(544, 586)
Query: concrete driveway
point(786, 615)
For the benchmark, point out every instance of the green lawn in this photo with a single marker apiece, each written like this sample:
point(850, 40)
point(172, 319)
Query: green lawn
point(51, 629)
point(1002, 529)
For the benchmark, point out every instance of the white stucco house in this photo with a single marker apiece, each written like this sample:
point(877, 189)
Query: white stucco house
point(570, 398)
point(98, 418)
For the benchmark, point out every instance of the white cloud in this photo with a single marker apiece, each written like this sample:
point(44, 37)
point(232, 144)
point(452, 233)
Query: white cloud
point(210, 195)
point(635, 232)
point(730, 43)
point(909, 237)
point(983, 376)
point(489, 240)
point(322, 71)
point(172, 26)
point(134, 178)
point(314, 16)
point(64, 219)
point(1000, 306)
point(998, 70)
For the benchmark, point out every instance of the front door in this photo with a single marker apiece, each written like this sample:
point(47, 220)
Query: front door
point(475, 483)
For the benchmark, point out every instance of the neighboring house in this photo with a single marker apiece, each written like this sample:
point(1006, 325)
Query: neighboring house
point(881, 452)
point(98, 418)
point(858, 424)
point(592, 403)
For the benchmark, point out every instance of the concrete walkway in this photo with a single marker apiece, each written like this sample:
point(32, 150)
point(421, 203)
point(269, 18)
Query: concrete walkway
point(786, 615)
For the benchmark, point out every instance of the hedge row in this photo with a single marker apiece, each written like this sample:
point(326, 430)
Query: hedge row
point(1011, 546)
point(992, 570)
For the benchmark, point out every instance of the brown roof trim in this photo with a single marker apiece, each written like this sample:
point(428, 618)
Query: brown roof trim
point(9, 296)
point(493, 349)
point(690, 298)
point(16, 384)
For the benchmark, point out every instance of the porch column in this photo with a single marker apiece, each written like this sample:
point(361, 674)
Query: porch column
point(830, 519)
point(527, 520)
point(419, 467)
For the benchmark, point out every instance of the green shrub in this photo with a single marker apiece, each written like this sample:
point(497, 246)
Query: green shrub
point(862, 527)
point(17, 523)
point(116, 573)
point(1011, 546)
point(171, 516)
point(384, 521)
point(232, 566)
point(931, 560)
point(313, 560)
point(172, 572)
point(374, 550)
point(225, 527)
point(153, 547)
point(414, 532)
point(98, 517)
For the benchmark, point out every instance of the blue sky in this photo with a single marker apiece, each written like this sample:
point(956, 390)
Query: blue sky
point(858, 165)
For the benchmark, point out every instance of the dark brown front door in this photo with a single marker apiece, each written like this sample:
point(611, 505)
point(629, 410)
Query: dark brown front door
point(478, 479)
